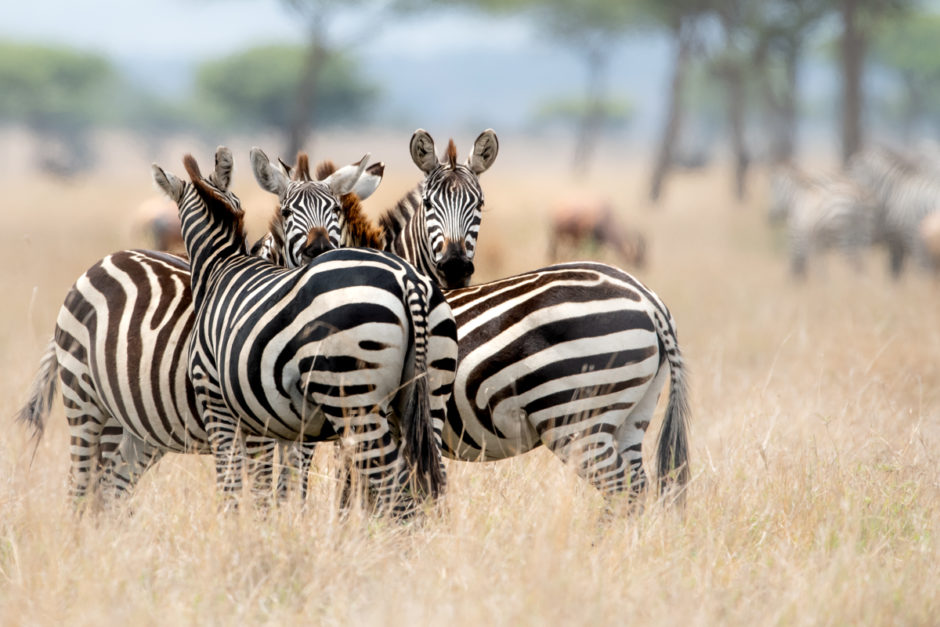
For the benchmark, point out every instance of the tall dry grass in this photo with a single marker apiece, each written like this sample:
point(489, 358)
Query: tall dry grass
point(814, 497)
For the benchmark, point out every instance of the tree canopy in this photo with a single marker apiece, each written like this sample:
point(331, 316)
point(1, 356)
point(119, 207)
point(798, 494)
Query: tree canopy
point(256, 87)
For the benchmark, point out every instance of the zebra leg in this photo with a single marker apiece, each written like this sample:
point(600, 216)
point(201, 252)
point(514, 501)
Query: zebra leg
point(296, 458)
point(375, 456)
point(223, 433)
point(897, 251)
point(259, 456)
point(86, 419)
point(132, 458)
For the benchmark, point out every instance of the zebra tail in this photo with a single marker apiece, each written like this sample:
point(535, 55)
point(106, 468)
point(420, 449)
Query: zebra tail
point(420, 450)
point(672, 448)
point(42, 392)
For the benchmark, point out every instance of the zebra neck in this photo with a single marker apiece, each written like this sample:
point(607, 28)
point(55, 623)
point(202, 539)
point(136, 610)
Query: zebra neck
point(210, 247)
point(405, 231)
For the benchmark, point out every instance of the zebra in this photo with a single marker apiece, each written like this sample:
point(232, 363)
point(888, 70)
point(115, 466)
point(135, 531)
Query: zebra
point(572, 356)
point(906, 194)
point(127, 407)
point(821, 211)
point(435, 226)
point(336, 349)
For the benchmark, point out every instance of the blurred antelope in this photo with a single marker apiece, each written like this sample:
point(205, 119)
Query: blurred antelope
point(591, 221)
point(157, 221)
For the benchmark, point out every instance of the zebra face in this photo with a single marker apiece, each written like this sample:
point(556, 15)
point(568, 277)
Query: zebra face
point(453, 208)
point(310, 216)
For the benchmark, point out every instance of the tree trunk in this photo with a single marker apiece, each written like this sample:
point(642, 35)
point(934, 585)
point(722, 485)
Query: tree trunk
point(853, 52)
point(673, 121)
point(735, 82)
point(593, 117)
point(301, 126)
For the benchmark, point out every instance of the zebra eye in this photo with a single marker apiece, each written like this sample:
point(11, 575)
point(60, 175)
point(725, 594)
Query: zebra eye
point(285, 213)
point(427, 204)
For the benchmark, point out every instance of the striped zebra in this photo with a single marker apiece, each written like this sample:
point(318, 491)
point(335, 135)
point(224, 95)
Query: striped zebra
point(573, 356)
point(906, 193)
point(821, 212)
point(336, 349)
point(120, 349)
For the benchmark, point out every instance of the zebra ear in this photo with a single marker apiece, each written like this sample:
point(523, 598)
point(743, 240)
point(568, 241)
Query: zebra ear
point(170, 184)
point(269, 177)
point(369, 181)
point(484, 152)
point(224, 164)
point(422, 151)
point(344, 180)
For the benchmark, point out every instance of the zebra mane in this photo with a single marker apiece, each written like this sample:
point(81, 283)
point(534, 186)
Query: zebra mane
point(451, 154)
point(219, 205)
point(302, 171)
point(393, 221)
point(324, 169)
point(360, 230)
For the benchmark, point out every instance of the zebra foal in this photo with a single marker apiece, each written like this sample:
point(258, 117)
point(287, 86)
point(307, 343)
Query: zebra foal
point(120, 348)
point(336, 349)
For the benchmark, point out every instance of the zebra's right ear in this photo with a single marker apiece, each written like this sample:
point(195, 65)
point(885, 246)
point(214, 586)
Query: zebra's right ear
point(166, 181)
point(422, 151)
point(269, 176)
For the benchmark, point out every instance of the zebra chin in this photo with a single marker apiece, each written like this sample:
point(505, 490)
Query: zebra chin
point(455, 272)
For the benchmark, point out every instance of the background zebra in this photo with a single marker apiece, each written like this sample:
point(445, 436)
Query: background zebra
point(573, 356)
point(821, 212)
point(120, 348)
point(906, 194)
point(329, 350)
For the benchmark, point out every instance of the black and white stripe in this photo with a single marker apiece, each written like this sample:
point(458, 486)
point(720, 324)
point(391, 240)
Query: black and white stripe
point(820, 212)
point(333, 350)
point(906, 194)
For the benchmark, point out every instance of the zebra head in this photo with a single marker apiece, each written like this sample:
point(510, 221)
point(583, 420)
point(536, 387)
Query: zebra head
point(309, 209)
point(452, 202)
point(205, 202)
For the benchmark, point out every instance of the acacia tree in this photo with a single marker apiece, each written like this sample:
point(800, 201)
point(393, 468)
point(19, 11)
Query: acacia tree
point(905, 45)
point(59, 94)
point(319, 17)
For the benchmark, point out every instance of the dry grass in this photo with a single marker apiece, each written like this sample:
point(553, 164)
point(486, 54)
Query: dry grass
point(815, 441)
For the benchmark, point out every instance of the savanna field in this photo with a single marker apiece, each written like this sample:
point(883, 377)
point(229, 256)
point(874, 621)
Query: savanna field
point(815, 491)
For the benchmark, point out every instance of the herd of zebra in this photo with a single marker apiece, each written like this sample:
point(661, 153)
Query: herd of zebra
point(883, 197)
point(336, 328)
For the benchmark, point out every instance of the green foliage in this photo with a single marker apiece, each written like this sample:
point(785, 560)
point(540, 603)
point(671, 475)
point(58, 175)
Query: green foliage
point(907, 44)
point(258, 87)
point(52, 88)
point(615, 112)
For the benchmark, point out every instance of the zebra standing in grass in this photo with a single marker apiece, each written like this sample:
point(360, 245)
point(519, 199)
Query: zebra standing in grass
point(820, 212)
point(905, 193)
point(572, 356)
point(336, 349)
point(120, 348)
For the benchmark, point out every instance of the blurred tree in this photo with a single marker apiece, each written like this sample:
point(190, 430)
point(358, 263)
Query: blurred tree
point(58, 94)
point(615, 113)
point(591, 28)
point(319, 16)
point(905, 44)
point(249, 88)
point(680, 18)
point(858, 18)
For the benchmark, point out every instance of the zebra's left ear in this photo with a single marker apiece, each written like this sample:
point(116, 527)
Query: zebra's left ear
point(170, 184)
point(422, 151)
point(484, 152)
point(269, 177)
point(344, 180)
point(221, 177)
point(369, 181)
